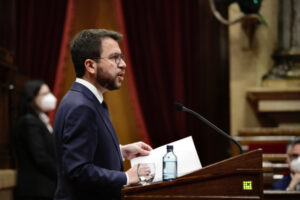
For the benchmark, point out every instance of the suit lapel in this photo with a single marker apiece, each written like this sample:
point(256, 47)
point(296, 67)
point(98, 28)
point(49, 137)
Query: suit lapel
point(81, 88)
point(107, 122)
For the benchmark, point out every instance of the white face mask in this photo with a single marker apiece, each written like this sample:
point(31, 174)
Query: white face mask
point(295, 165)
point(48, 102)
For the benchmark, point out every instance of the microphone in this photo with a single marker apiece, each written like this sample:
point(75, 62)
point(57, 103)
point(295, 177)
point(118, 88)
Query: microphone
point(180, 107)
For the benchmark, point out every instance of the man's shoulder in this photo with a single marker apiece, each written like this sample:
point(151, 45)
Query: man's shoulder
point(74, 100)
point(78, 93)
point(74, 96)
point(283, 183)
point(74, 103)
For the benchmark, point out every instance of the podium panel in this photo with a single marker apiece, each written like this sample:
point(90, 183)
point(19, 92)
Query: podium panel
point(281, 195)
point(239, 177)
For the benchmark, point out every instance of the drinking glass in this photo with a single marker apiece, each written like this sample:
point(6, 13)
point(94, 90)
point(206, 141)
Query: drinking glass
point(146, 172)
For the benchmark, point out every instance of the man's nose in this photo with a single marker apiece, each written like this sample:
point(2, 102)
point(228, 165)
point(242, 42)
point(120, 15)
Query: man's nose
point(122, 64)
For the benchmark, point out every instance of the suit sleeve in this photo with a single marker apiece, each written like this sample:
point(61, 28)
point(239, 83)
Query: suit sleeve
point(79, 147)
point(35, 143)
point(282, 184)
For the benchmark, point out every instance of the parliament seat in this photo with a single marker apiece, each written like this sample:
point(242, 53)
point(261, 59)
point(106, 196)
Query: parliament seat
point(270, 140)
point(273, 142)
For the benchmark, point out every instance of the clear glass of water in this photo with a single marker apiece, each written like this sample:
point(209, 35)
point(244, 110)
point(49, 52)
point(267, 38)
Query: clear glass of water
point(146, 172)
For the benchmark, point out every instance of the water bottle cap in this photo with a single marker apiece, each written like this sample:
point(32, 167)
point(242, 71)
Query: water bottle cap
point(169, 146)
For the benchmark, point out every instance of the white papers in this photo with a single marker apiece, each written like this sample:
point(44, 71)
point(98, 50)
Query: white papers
point(187, 158)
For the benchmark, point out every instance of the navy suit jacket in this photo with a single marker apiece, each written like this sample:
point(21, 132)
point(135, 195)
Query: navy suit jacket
point(90, 164)
point(283, 183)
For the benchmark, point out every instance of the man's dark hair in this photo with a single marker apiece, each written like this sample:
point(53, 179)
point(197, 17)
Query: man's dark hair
point(292, 143)
point(88, 44)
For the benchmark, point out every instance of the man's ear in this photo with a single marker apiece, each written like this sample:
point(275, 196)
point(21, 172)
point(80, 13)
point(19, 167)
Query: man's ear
point(90, 66)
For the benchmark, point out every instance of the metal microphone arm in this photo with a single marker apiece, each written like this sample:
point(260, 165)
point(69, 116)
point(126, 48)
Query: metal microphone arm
point(180, 107)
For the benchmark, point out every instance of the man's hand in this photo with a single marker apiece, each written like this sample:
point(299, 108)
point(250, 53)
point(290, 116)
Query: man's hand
point(133, 175)
point(294, 181)
point(136, 149)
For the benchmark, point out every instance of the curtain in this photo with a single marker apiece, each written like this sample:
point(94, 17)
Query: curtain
point(130, 80)
point(40, 25)
point(62, 59)
point(179, 52)
point(8, 25)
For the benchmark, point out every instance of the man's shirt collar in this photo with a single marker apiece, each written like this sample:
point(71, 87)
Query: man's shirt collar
point(92, 88)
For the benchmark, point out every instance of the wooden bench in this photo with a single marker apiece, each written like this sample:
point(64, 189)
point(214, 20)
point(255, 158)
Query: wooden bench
point(274, 167)
point(273, 142)
point(275, 106)
point(7, 183)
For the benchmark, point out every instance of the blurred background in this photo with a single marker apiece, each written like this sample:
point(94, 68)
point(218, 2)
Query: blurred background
point(176, 51)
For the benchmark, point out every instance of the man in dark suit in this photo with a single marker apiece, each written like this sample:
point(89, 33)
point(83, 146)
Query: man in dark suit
point(90, 159)
point(291, 181)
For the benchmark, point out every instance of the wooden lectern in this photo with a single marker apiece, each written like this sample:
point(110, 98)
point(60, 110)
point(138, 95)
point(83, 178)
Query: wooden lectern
point(239, 177)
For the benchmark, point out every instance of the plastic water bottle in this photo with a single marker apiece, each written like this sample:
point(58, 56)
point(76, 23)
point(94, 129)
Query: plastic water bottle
point(169, 164)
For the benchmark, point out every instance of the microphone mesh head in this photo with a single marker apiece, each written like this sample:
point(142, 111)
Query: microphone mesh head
point(178, 106)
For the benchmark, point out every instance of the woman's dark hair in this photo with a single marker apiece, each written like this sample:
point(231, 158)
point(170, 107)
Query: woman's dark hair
point(29, 92)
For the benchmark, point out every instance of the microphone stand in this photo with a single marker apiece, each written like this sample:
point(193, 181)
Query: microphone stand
point(182, 108)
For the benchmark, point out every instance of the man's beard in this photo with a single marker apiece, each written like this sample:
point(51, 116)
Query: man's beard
point(106, 80)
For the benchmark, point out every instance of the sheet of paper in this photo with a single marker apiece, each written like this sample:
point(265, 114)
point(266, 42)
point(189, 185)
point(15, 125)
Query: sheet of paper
point(187, 158)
